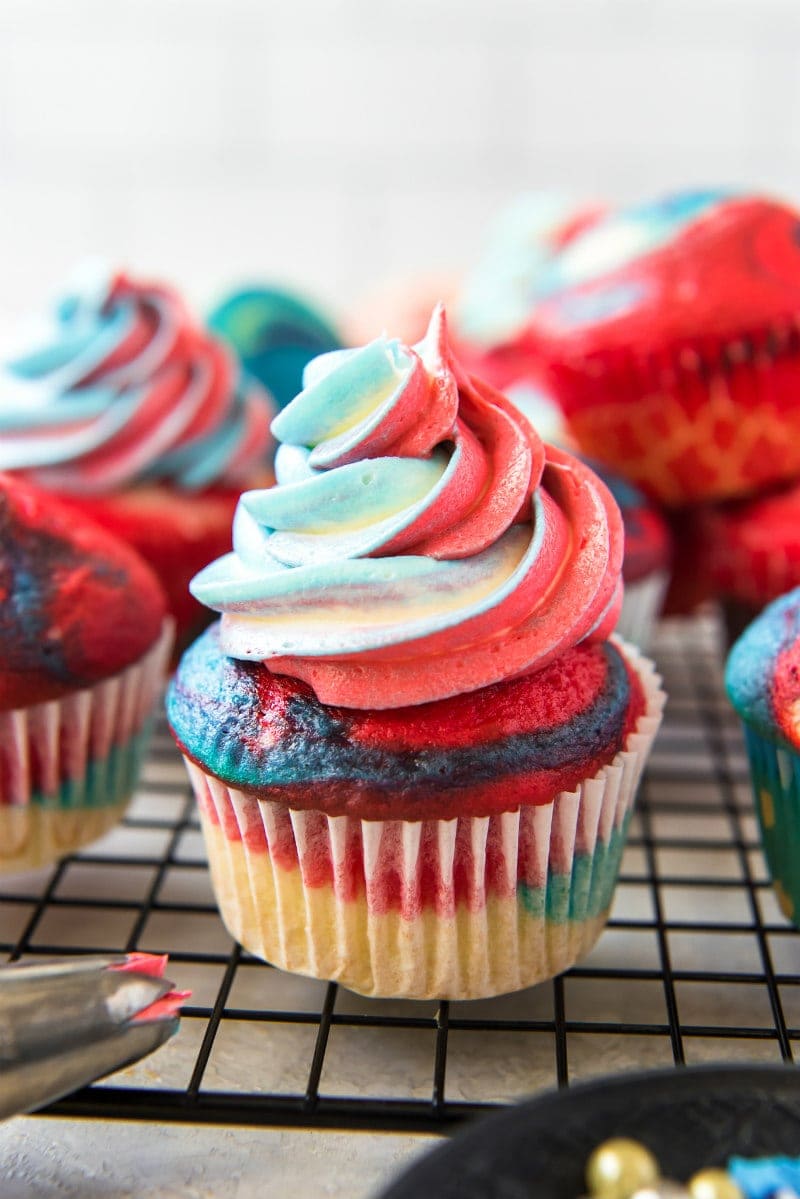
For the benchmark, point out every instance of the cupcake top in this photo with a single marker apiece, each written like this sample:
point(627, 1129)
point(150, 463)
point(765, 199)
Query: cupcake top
point(684, 272)
point(421, 540)
point(762, 675)
point(120, 386)
point(76, 605)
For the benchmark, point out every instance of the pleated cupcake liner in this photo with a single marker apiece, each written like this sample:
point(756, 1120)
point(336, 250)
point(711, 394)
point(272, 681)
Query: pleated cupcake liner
point(459, 908)
point(642, 601)
point(775, 775)
point(666, 397)
point(69, 766)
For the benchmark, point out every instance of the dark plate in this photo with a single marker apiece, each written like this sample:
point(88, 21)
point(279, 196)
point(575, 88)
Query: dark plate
point(690, 1118)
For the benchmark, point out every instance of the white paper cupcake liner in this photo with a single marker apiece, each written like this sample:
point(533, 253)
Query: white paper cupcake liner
point(642, 602)
point(68, 766)
point(284, 882)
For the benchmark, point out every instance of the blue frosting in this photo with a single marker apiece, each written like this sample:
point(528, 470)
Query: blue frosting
point(761, 1177)
point(750, 666)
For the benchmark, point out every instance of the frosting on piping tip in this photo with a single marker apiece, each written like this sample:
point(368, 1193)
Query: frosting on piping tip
point(122, 386)
point(421, 540)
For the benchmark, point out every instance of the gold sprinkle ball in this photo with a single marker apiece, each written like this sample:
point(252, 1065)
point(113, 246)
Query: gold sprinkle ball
point(619, 1167)
point(713, 1184)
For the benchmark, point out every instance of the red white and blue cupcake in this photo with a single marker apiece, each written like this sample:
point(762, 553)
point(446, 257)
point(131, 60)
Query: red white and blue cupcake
point(124, 407)
point(84, 638)
point(763, 681)
point(414, 748)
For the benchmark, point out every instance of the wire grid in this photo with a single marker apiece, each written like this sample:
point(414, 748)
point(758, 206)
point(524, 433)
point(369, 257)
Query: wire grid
point(697, 963)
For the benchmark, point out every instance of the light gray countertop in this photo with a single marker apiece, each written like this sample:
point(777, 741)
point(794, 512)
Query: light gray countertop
point(44, 1158)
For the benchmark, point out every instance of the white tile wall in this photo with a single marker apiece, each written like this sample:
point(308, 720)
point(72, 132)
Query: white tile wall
point(332, 143)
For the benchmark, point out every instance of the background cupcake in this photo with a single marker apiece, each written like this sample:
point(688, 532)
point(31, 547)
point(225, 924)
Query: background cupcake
point(763, 681)
point(274, 333)
point(84, 638)
point(130, 412)
point(670, 337)
point(413, 748)
point(752, 552)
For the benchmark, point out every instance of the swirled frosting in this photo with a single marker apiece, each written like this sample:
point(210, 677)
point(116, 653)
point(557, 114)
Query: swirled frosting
point(421, 540)
point(121, 386)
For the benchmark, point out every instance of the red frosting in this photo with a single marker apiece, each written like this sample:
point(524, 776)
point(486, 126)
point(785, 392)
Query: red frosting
point(76, 605)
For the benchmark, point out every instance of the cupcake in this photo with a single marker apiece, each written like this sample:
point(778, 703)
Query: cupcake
point(414, 747)
point(84, 637)
point(127, 410)
point(752, 552)
point(669, 333)
point(762, 677)
point(274, 333)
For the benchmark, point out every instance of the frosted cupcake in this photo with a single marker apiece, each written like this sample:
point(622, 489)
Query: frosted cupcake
point(414, 749)
point(762, 677)
point(124, 407)
point(84, 638)
point(669, 333)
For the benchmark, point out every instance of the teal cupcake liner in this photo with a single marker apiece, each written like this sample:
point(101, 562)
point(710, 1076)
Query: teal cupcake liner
point(775, 773)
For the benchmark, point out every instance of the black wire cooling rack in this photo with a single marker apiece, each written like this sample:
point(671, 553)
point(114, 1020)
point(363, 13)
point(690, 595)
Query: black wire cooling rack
point(697, 963)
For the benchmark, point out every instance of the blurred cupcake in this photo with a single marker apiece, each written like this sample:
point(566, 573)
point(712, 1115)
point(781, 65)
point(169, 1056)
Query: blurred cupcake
point(274, 333)
point(84, 638)
point(752, 552)
point(414, 749)
point(670, 336)
point(763, 681)
point(127, 410)
point(495, 302)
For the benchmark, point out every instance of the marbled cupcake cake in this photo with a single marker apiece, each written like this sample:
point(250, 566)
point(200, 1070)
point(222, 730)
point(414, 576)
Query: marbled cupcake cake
point(414, 747)
point(83, 642)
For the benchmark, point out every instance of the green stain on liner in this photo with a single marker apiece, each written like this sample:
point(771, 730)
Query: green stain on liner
point(107, 781)
point(775, 775)
point(583, 894)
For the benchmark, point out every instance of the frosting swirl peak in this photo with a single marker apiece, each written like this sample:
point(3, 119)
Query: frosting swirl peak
point(122, 386)
point(421, 540)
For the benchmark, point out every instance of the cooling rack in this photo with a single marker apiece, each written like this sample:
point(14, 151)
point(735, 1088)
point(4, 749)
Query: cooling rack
point(697, 963)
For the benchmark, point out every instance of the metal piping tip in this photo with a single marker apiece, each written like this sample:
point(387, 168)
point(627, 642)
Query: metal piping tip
point(67, 1022)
